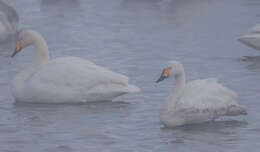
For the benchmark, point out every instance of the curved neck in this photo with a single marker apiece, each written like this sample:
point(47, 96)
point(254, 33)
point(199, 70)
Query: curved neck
point(177, 91)
point(42, 53)
point(42, 58)
point(179, 85)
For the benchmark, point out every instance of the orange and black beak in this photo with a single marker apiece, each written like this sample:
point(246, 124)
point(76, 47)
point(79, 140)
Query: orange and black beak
point(18, 48)
point(164, 75)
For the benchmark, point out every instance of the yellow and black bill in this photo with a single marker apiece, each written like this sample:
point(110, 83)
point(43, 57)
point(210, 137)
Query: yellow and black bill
point(164, 75)
point(18, 48)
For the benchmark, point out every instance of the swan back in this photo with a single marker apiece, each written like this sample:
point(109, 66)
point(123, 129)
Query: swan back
point(202, 100)
point(252, 40)
point(69, 79)
point(206, 94)
point(255, 29)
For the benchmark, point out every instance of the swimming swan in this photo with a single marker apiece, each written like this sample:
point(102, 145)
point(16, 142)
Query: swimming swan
point(252, 39)
point(8, 22)
point(64, 79)
point(197, 101)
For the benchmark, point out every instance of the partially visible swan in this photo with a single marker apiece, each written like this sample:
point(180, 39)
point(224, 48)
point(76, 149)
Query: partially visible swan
point(255, 29)
point(197, 101)
point(64, 79)
point(252, 39)
point(8, 22)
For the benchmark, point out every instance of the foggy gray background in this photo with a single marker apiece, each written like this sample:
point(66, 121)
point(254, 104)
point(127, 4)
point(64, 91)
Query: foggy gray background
point(135, 38)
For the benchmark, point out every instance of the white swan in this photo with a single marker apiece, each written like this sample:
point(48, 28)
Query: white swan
point(65, 79)
point(255, 29)
point(8, 22)
point(198, 101)
point(252, 39)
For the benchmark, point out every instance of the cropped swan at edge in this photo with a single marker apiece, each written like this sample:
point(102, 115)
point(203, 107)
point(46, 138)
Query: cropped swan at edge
point(8, 22)
point(197, 101)
point(252, 39)
point(64, 79)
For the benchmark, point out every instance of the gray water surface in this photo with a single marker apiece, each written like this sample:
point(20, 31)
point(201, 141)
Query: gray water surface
point(136, 38)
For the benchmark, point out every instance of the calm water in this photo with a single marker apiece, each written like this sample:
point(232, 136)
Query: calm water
point(136, 38)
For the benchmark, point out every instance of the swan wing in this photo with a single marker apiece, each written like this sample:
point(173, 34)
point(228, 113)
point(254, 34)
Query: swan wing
point(207, 95)
point(252, 40)
point(72, 78)
point(255, 29)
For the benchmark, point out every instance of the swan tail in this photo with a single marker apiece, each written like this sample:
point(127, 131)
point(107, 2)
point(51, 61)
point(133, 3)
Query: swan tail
point(236, 110)
point(251, 40)
point(132, 88)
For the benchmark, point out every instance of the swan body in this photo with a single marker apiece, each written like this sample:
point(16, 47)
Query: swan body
point(255, 29)
point(197, 101)
point(8, 22)
point(65, 79)
point(252, 39)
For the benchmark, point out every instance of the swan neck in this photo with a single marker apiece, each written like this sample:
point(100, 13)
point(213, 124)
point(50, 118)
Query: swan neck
point(177, 92)
point(42, 53)
point(170, 106)
point(42, 58)
point(179, 85)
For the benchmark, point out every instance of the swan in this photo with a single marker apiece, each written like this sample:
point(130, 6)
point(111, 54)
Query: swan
point(65, 79)
point(8, 22)
point(252, 39)
point(197, 101)
point(255, 29)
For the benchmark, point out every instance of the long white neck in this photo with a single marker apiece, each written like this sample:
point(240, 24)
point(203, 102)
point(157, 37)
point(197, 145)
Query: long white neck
point(179, 85)
point(42, 53)
point(168, 112)
point(42, 58)
point(177, 91)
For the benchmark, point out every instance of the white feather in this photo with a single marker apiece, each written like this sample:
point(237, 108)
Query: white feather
point(67, 79)
point(252, 39)
point(197, 101)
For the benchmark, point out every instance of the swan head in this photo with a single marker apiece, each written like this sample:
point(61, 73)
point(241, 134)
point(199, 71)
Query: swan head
point(173, 68)
point(25, 38)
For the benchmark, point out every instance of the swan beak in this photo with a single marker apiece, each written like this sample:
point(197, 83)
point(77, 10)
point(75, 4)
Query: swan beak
point(18, 48)
point(164, 75)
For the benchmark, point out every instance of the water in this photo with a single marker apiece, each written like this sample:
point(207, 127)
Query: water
point(136, 38)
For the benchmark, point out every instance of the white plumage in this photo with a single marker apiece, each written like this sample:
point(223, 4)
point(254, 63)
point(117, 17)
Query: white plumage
point(197, 101)
point(8, 22)
point(65, 79)
point(255, 29)
point(252, 39)
point(208, 94)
